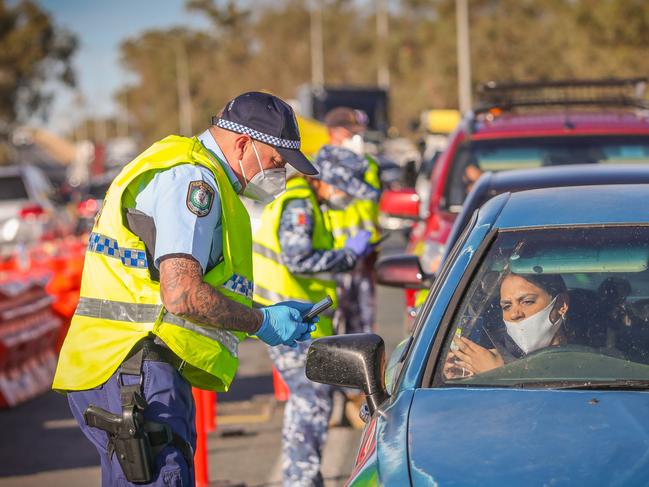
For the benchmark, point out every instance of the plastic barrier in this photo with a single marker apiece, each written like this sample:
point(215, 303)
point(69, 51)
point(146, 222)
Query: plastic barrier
point(28, 333)
point(39, 292)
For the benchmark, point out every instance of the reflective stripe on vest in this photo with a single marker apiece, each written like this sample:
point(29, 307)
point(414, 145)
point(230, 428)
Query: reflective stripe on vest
point(146, 313)
point(101, 244)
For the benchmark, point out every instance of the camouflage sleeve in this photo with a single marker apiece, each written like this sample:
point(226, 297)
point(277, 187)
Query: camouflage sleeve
point(295, 231)
point(344, 169)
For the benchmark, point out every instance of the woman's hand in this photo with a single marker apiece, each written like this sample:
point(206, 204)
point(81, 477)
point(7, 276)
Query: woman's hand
point(472, 357)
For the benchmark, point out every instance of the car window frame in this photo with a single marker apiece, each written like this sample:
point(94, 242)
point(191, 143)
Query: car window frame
point(432, 372)
point(425, 309)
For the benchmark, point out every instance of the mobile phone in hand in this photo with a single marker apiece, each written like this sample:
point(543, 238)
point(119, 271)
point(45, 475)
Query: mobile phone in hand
point(318, 308)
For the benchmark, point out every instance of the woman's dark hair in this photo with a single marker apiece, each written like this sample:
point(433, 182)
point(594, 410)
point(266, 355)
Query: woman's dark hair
point(553, 284)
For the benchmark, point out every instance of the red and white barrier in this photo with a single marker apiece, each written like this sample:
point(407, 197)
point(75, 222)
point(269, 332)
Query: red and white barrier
point(29, 330)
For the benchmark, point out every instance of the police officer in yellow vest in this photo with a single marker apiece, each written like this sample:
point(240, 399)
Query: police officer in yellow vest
point(167, 290)
point(293, 258)
point(346, 127)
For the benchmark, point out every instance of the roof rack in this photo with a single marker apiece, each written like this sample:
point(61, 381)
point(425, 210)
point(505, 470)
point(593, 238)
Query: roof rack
point(621, 92)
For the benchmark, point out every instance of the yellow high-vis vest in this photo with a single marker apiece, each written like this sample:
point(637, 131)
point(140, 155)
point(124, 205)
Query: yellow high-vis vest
point(274, 282)
point(120, 303)
point(360, 214)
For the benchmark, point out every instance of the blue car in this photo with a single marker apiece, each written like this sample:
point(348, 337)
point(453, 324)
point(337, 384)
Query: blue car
point(529, 364)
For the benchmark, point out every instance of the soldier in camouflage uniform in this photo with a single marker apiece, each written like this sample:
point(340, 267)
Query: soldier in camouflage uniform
point(307, 411)
point(356, 288)
point(356, 294)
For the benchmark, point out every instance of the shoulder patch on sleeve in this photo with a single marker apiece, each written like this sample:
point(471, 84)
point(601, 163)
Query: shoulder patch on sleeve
point(300, 217)
point(200, 197)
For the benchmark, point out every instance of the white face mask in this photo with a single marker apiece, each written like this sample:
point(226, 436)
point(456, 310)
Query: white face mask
point(534, 332)
point(267, 184)
point(355, 143)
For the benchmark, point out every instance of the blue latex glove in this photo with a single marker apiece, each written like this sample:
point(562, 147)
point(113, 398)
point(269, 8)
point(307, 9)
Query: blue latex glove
point(283, 325)
point(303, 307)
point(359, 243)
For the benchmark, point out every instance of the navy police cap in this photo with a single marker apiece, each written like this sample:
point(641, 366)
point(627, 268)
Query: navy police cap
point(268, 119)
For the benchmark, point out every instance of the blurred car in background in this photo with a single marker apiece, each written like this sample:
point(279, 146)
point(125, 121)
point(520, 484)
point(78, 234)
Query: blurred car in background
point(524, 126)
point(29, 210)
point(566, 413)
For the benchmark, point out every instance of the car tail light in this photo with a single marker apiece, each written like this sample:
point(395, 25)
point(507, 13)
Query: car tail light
point(31, 211)
point(403, 203)
point(88, 207)
point(410, 297)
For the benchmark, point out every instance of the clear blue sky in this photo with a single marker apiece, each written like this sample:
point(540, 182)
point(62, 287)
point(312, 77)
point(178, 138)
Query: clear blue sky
point(101, 25)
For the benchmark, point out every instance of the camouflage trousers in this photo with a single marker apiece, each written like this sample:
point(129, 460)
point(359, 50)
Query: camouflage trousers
point(306, 418)
point(356, 292)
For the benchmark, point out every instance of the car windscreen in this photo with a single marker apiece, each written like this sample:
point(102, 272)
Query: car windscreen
point(478, 156)
point(554, 307)
point(12, 188)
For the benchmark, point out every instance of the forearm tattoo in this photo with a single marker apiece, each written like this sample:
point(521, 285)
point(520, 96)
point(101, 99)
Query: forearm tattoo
point(185, 294)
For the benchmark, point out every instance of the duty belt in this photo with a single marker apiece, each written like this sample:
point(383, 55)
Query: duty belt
point(156, 352)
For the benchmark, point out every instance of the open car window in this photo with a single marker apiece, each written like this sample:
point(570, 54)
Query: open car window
point(562, 307)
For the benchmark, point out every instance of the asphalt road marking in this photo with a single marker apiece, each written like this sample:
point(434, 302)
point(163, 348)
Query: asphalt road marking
point(59, 424)
point(263, 417)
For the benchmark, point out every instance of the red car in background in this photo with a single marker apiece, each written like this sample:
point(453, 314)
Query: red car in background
point(524, 125)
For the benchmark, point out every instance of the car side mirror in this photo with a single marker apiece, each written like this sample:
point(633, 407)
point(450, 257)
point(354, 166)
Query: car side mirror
point(356, 360)
point(399, 209)
point(402, 271)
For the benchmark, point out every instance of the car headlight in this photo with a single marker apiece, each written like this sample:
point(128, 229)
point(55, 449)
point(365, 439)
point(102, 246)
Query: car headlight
point(431, 255)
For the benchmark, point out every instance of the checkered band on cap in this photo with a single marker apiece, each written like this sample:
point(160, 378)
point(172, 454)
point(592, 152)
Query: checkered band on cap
point(260, 136)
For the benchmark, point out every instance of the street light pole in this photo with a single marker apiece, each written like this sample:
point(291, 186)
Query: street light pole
point(184, 96)
point(317, 46)
point(383, 72)
point(463, 55)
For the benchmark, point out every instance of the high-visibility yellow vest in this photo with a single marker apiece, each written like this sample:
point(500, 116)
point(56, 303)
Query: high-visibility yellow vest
point(120, 303)
point(274, 282)
point(360, 214)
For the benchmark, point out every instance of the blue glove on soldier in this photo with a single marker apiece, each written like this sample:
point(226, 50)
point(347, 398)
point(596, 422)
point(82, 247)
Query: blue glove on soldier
point(359, 243)
point(283, 325)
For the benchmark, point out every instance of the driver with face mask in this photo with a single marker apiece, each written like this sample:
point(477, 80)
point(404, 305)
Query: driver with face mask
point(534, 312)
point(166, 293)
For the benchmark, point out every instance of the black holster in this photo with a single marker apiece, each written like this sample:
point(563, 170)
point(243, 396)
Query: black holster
point(135, 441)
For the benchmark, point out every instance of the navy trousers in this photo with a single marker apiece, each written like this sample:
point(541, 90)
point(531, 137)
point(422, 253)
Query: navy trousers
point(170, 401)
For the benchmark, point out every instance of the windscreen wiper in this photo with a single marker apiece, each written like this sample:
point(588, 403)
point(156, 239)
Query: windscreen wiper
point(607, 384)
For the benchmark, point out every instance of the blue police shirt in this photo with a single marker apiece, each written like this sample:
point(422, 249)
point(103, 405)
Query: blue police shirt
point(179, 230)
